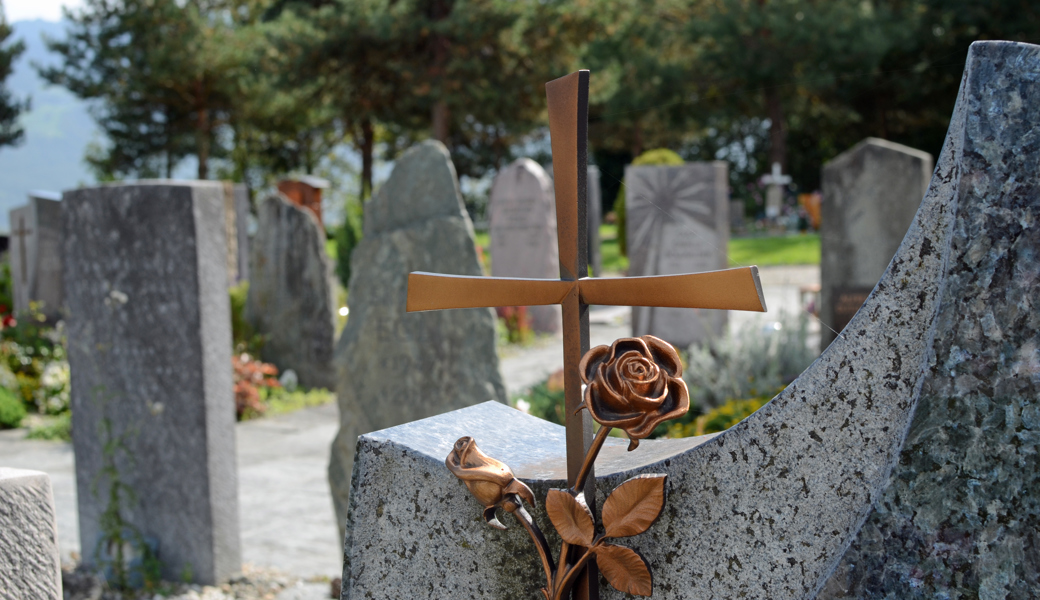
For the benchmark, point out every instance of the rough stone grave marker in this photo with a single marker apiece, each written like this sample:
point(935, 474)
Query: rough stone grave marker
point(775, 182)
point(30, 566)
point(677, 222)
point(870, 195)
point(290, 299)
point(393, 367)
point(595, 214)
point(149, 340)
point(35, 251)
point(236, 223)
point(770, 507)
point(522, 219)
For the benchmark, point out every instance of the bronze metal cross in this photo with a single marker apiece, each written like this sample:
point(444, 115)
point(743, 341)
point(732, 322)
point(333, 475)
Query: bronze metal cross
point(733, 289)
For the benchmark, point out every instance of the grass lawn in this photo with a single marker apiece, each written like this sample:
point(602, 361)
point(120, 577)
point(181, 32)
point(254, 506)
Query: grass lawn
point(793, 249)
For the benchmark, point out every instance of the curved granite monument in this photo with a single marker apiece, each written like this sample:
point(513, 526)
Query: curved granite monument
point(769, 508)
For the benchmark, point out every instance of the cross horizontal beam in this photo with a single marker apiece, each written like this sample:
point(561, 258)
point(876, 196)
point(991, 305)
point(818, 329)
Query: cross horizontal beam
point(731, 289)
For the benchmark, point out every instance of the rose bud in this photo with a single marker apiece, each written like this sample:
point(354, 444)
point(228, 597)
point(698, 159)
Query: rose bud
point(490, 481)
point(634, 384)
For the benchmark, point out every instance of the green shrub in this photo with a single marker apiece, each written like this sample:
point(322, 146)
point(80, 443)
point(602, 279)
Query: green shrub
point(659, 156)
point(719, 419)
point(12, 409)
point(57, 428)
point(243, 336)
point(348, 236)
point(544, 400)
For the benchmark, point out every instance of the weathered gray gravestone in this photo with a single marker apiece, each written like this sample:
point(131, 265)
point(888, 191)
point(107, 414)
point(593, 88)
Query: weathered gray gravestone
point(769, 508)
point(522, 219)
point(236, 223)
point(290, 300)
point(594, 211)
point(677, 222)
point(149, 340)
point(30, 566)
point(35, 251)
point(870, 195)
point(395, 367)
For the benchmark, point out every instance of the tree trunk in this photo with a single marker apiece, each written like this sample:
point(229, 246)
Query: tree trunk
point(441, 117)
point(777, 129)
point(637, 140)
point(367, 144)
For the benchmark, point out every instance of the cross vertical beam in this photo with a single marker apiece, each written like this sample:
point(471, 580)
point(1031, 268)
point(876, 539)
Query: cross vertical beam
point(568, 104)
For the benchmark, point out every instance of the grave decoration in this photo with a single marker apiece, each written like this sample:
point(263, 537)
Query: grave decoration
point(571, 510)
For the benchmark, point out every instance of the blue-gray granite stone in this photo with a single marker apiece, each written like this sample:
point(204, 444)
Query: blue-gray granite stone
point(960, 517)
point(768, 508)
point(149, 337)
point(394, 367)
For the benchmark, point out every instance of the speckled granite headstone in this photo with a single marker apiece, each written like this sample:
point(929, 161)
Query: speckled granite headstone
point(35, 255)
point(870, 195)
point(149, 346)
point(395, 367)
point(29, 563)
point(290, 300)
point(961, 515)
point(522, 220)
point(769, 508)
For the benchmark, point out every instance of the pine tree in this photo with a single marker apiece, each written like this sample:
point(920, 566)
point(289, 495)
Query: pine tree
point(11, 133)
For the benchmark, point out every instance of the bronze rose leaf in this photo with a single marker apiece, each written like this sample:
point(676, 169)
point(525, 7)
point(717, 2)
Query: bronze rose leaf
point(490, 481)
point(634, 384)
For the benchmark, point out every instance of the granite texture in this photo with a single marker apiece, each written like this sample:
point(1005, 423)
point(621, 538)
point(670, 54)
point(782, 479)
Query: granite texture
point(522, 220)
point(35, 257)
point(394, 367)
point(149, 338)
point(870, 195)
point(677, 219)
point(960, 517)
point(29, 563)
point(815, 495)
point(290, 300)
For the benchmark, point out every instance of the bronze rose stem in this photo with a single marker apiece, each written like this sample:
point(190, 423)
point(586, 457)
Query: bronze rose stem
point(540, 543)
point(590, 457)
point(572, 572)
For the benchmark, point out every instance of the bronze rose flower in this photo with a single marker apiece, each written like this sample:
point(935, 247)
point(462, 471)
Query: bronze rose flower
point(634, 384)
point(490, 481)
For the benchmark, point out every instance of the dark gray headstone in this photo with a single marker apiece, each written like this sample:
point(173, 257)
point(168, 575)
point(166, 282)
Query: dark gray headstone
point(870, 195)
point(236, 223)
point(30, 566)
point(35, 252)
point(522, 219)
point(290, 300)
point(594, 211)
point(815, 495)
point(149, 338)
point(395, 367)
point(677, 221)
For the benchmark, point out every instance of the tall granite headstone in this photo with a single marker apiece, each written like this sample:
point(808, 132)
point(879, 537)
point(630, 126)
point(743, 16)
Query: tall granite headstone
point(594, 212)
point(290, 300)
point(30, 566)
point(35, 254)
point(395, 367)
point(522, 219)
point(677, 222)
point(149, 343)
point(822, 493)
point(870, 195)
point(236, 224)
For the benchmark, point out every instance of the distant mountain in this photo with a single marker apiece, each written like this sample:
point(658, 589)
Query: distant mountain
point(57, 130)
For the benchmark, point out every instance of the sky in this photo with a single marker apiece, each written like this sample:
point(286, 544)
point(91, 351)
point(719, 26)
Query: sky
point(48, 10)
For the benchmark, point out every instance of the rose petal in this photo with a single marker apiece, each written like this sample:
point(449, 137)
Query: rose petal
point(591, 361)
point(664, 355)
point(610, 418)
point(623, 345)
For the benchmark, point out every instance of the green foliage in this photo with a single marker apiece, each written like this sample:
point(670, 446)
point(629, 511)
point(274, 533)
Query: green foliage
point(281, 401)
point(544, 400)
point(57, 428)
point(34, 353)
point(719, 419)
point(243, 335)
point(12, 411)
point(660, 156)
point(756, 361)
point(794, 249)
point(348, 236)
point(11, 131)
